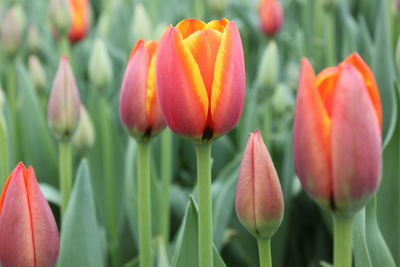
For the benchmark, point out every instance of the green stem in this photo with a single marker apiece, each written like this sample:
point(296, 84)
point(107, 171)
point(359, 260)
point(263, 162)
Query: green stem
point(64, 46)
point(3, 151)
point(65, 174)
point(12, 97)
point(109, 179)
point(342, 241)
point(331, 40)
point(264, 252)
point(144, 205)
point(203, 153)
point(166, 167)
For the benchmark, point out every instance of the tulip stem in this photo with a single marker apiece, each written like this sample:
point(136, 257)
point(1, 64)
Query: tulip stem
point(166, 167)
point(3, 150)
point(65, 174)
point(64, 46)
point(342, 241)
point(264, 252)
point(144, 205)
point(12, 98)
point(203, 153)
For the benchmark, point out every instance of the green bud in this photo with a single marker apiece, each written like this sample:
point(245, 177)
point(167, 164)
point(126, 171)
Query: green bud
point(60, 16)
point(282, 99)
point(84, 136)
point(34, 42)
point(141, 23)
point(100, 66)
point(12, 30)
point(268, 70)
point(37, 73)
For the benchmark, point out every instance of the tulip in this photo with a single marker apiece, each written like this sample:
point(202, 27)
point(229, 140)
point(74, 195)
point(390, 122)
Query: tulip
point(139, 108)
point(141, 24)
point(259, 199)
point(80, 20)
point(271, 16)
point(337, 135)
point(64, 102)
point(100, 66)
point(11, 31)
point(28, 231)
point(201, 78)
point(37, 73)
point(60, 15)
point(84, 136)
point(268, 70)
point(34, 41)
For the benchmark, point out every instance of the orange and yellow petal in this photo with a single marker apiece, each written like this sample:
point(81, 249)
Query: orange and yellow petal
point(80, 19)
point(189, 26)
point(218, 25)
point(181, 92)
point(325, 81)
point(311, 138)
point(229, 84)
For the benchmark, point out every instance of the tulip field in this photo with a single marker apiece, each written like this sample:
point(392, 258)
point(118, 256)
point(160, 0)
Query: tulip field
point(209, 133)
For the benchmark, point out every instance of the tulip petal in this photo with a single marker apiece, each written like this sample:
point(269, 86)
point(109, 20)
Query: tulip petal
point(152, 106)
point(218, 25)
point(326, 81)
point(181, 92)
point(369, 79)
point(133, 91)
point(311, 138)
point(229, 82)
point(80, 19)
point(189, 26)
point(356, 142)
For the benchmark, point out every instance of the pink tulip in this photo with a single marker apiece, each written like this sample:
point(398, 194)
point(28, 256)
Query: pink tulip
point(271, 16)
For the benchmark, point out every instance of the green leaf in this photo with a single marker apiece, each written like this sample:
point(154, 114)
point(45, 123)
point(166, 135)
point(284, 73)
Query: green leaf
point(361, 253)
point(82, 244)
point(186, 249)
point(50, 193)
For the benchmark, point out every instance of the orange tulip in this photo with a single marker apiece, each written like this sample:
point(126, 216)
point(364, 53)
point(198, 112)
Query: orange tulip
point(259, 199)
point(271, 16)
point(28, 231)
point(80, 20)
point(139, 108)
point(201, 78)
point(337, 134)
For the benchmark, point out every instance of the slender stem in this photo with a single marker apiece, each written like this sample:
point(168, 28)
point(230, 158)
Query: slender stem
point(12, 97)
point(203, 153)
point(144, 205)
point(166, 167)
point(109, 179)
point(64, 46)
point(342, 241)
point(3, 151)
point(65, 174)
point(264, 252)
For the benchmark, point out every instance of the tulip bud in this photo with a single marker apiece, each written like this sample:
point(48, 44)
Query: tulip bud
point(64, 103)
point(268, 70)
point(28, 230)
point(281, 99)
point(271, 16)
point(100, 68)
point(60, 16)
point(12, 30)
point(259, 199)
point(84, 136)
point(37, 73)
point(34, 42)
point(80, 20)
point(141, 24)
point(139, 108)
point(337, 135)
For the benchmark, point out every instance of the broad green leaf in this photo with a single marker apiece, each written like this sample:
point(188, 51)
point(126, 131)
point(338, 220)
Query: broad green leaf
point(360, 248)
point(186, 248)
point(81, 242)
point(50, 193)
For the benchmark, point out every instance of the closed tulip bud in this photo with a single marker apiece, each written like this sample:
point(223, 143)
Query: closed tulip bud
point(201, 78)
point(271, 16)
point(37, 73)
point(337, 135)
point(60, 16)
point(34, 42)
point(12, 30)
point(84, 136)
point(141, 24)
point(281, 99)
point(80, 20)
point(64, 103)
point(259, 199)
point(28, 231)
point(100, 67)
point(138, 108)
point(268, 70)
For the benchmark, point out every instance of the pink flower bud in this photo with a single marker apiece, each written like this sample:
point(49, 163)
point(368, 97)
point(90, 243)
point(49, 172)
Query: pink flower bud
point(64, 104)
point(28, 231)
point(11, 30)
point(271, 16)
point(259, 199)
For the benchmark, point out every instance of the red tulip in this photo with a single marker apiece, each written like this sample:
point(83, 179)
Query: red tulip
point(28, 231)
point(337, 134)
point(80, 20)
point(259, 200)
point(139, 108)
point(201, 78)
point(271, 16)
